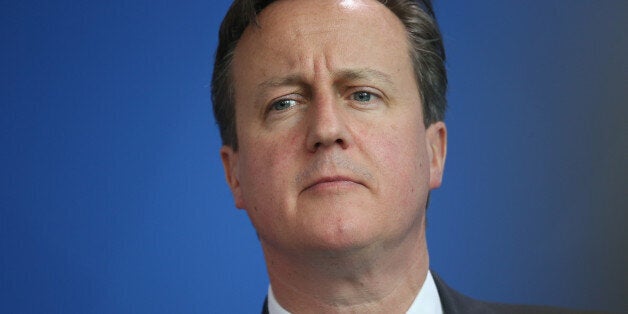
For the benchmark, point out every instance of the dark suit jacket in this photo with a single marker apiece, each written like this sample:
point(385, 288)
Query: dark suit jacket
point(456, 303)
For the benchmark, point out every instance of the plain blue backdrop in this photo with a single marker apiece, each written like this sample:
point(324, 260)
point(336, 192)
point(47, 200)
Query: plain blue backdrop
point(112, 192)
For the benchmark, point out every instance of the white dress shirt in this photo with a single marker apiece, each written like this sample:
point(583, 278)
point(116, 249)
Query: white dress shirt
point(426, 302)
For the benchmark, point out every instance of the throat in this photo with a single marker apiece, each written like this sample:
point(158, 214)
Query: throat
point(355, 283)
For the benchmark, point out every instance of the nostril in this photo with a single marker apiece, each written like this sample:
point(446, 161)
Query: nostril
point(320, 144)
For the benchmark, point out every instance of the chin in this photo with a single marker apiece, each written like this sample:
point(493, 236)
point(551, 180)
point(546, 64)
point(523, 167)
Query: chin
point(340, 234)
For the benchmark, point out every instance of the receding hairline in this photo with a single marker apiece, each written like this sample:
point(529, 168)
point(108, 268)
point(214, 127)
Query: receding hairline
point(260, 20)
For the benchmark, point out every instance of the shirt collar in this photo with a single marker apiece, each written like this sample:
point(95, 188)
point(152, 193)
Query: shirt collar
point(426, 302)
point(273, 305)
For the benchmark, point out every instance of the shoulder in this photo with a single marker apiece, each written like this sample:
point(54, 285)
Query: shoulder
point(454, 302)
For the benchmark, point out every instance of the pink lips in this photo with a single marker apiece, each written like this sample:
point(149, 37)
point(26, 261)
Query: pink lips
point(335, 182)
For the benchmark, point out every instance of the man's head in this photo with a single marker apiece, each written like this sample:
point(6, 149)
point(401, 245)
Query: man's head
point(334, 151)
point(425, 48)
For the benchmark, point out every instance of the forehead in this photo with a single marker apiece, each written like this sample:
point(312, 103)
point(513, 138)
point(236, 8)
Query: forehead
point(298, 35)
point(300, 17)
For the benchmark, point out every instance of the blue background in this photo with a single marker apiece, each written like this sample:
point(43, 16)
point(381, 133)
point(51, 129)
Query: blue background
point(112, 193)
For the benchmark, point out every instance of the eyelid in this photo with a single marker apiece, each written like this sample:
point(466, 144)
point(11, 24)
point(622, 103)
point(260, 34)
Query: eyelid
point(268, 108)
point(356, 89)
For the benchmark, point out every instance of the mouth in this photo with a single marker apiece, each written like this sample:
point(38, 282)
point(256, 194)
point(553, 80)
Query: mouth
point(334, 183)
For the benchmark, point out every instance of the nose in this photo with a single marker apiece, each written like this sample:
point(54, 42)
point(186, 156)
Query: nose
point(326, 123)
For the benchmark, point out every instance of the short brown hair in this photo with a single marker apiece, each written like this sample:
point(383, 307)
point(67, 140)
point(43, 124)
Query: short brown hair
point(426, 51)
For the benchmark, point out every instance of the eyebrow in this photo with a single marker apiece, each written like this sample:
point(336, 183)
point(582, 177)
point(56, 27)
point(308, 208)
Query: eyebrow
point(342, 75)
point(364, 73)
point(293, 79)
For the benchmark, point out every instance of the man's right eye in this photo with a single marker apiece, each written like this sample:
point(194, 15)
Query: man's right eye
point(283, 104)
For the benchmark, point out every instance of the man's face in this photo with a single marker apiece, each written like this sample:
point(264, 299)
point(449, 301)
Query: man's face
point(333, 153)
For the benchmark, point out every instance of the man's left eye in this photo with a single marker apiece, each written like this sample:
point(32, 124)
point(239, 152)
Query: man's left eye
point(362, 96)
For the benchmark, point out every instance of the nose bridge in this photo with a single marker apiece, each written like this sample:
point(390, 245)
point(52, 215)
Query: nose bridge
point(326, 123)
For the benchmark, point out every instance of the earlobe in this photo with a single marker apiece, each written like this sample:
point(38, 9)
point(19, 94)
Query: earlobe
point(229, 159)
point(436, 136)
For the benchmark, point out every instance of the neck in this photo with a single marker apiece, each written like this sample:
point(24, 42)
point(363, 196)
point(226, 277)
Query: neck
point(374, 279)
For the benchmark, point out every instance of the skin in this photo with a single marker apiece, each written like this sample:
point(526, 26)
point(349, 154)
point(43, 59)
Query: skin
point(334, 162)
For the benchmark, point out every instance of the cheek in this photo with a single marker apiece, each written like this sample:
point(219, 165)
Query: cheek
point(267, 171)
point(401, 157)
point(402, 146)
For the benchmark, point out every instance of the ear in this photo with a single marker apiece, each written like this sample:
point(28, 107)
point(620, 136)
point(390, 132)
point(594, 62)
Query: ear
point(230, 164)
point(436, 141)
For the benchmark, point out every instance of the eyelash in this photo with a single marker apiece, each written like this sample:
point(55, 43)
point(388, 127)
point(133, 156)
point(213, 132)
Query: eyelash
point(293, 102)
point(282, 102)
point(276, 107)
point(375, 98)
